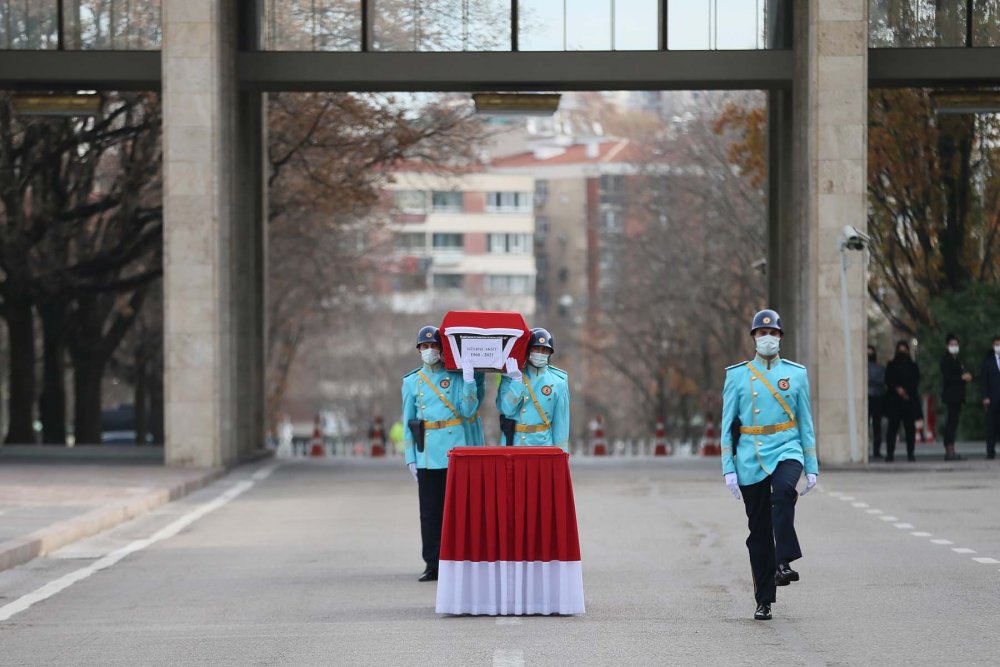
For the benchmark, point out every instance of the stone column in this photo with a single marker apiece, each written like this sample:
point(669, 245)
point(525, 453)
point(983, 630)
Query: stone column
point(826, 143)
point(210, 239)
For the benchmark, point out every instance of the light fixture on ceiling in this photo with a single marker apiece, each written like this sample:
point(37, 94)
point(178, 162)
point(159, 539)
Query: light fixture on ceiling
point(516, 104)
point(79, 105)
point(966, 102)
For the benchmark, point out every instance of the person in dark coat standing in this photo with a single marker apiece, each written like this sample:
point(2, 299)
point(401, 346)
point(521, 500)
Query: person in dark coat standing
point(902, 378)
point(876, 399)
point(991, 397)
point(954, 378)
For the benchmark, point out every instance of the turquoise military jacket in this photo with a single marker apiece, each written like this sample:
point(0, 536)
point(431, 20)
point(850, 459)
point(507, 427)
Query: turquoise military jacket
point(474, 427)
point(420, 401)
point(551, 390)
point(746, 397)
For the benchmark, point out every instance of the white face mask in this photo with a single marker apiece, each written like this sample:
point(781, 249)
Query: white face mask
point(430, 356)
point(953, 349)
point(538, 359)
point(996, 348)
point(767, 346)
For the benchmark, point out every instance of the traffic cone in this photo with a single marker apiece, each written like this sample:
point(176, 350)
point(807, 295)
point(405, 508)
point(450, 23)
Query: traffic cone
point(598, 443)
point(377, 442)
point(710, 443)
point(927, 434)
point(316, 447)
point(660, 442)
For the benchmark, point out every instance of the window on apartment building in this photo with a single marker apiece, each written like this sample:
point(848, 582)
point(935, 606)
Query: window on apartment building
point(612, 220)
point(612, 183)
point(541, 227)
point(411, 201)
point(447, 202)
point(409, 282)
point(563, 275)
point(542, 264)
point(508, 202)
point(541, 192)
point(448, 242)
point(543, 300)
point(612, 188)
point(510, 284)
point(509, 244)
point(410, 241)
point(449, 281)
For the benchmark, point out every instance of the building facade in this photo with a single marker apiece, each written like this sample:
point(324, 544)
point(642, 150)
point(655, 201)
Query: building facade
point(461, 241)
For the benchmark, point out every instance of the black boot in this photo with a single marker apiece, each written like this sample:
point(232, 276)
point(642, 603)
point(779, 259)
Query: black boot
point(763, 612)
point(784, 575)
point(430, 574)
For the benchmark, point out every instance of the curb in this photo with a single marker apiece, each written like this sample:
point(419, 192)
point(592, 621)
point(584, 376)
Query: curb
point(973, 465)
point(20, 550)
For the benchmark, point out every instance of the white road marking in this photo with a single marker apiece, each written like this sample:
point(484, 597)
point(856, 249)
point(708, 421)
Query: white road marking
point(859, 505)
point(873, 511)
point(508, 657)
point(963, 550)
point(903, 526)
point(987, 561)
point(920, 534)
point(847, 497)
point(886, 517)
point(942, 542)
point(264, 473)
point(508, 620)
point(64, 582)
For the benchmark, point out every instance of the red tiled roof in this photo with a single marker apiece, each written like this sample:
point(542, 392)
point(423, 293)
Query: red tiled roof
point(608, 152)
point(416, 166)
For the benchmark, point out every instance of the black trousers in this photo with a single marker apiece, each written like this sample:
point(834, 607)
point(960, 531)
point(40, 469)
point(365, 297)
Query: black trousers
point(876, 410)
point(430, 487)
point(992, 427)
point(770, 505)
point(909, 428)
point(951, 426)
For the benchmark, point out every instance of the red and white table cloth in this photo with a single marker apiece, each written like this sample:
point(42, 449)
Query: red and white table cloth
point(509, 543)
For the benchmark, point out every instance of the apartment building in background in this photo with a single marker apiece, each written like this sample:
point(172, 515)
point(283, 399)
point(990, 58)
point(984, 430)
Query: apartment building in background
point(580, 214)
point(460, 242)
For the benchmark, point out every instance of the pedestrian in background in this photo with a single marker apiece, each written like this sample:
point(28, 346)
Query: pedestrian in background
point(902, 378)
point(991, 397)
point(953, 377)
point(876, 399)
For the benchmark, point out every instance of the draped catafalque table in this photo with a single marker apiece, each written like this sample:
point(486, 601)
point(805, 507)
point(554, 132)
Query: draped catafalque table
point(509, 544)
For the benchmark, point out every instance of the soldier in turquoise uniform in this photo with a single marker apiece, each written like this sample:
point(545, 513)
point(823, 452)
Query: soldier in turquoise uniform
point(437, 407)
point(537, 400)
point(767, 439)
point(474, 427)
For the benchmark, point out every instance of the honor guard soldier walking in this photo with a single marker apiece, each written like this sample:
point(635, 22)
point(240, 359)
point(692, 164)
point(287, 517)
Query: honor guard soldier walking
point(474, 427)
point(767, 439)
point(534, 405)
point(437, 407)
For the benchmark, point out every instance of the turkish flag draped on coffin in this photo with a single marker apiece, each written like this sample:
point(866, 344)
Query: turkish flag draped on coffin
point(507, 330)
point(509, 543)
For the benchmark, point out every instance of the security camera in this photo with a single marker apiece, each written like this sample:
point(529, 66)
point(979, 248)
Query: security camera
point(760, 266)
point(855, 239)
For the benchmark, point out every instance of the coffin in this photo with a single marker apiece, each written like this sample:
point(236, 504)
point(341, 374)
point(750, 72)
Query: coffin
point(489, 337)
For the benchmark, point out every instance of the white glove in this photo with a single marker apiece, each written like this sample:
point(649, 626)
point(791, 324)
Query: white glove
point(468, 372)
point(810, 483)
point(413, 470)
point(733, 484)
point(513, 371)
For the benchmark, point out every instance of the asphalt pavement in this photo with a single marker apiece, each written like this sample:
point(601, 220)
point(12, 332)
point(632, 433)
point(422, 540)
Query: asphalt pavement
point(315, 563)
